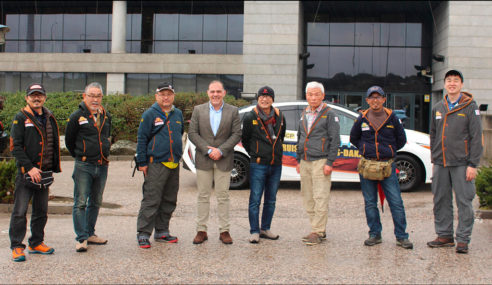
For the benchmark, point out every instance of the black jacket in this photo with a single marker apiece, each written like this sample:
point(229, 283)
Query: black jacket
point(255, 139)
point(84, 140)
point(27, 140)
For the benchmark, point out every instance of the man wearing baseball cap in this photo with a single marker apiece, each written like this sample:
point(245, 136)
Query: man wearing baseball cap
point(35, 144)
point(262, 137)
point(456, 148)
point(159, 150)
point(379, 134)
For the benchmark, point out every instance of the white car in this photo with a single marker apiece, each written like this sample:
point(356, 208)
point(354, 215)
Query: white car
point(413, 160)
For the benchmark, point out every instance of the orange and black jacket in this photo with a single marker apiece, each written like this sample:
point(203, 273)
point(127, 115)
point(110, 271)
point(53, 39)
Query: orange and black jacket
point(27, 140)
point(261, 148)
point(456, 135)
point(84, 139)
point(381, 143)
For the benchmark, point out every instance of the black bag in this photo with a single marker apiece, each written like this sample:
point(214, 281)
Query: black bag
point(46, 180)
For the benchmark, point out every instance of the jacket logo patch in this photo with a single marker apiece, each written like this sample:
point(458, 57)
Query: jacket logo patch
point(83, 120)
point(365, 126)
point(178, 122)
point(477, 112)
point(158, 122)
point(390, 126)
point(323, 117)
point(16, 122)
point(255, 122)
point(461, 115)
point(336, 119)
point(28, 123)
point(438, 115)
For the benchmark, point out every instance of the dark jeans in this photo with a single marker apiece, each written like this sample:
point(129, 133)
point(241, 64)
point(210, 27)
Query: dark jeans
point(89, 181)
point(18, 220)
point(392, 192)
point(263, 178)
point(160, 193)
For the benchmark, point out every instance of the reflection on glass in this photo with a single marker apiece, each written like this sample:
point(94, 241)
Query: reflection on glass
point(203, 80)
point(97, 27)
point(393, 34)
point(52, 26)
point(73, 46)
point(74, 81)
point(72, 28)
point(27, 78)
point(414, 34)
point(185, 82)
point(190, 27)
point(53, 81)
point(353, 102)
point(234, 48)
point(319, 58)
point(166, 26)
point(136, 84)
point(291, 116)
point(190, 47)
point(12, 21)
point(367, 34)
point(342, 33)
point(165, 47)
point(318, 33)
point(133, 26)
point(215, 27)
point(214, 47)
point(235, 27)
point(10, 81)
point(341, 60)
point(51, 46)
point(156, 79)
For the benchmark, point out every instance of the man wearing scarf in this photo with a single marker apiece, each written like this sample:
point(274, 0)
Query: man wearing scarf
point(262, 137)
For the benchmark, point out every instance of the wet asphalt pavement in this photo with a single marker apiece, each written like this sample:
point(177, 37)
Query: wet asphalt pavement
point(342, 258)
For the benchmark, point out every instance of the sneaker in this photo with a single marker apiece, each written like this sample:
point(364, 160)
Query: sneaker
point(268, 235)
point(166, 238)
point(322, 237)
point(143, 242)
point(441, 242)
point(405, 243)
point(81, 246)
point(462, 247)
point(96, 240)
point(373, 240)
point(18, 254)
point(254, 238)
point(42, 249)
point(312, 239)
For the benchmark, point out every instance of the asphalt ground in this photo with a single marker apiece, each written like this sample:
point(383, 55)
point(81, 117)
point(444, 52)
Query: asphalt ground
point(342, 258)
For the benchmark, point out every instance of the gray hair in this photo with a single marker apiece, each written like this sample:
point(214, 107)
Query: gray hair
point(315, 84)
point(95, 85)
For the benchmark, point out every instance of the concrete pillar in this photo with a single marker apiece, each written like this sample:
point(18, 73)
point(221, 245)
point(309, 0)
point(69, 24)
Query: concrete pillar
point(116, 83)
point(118, 41)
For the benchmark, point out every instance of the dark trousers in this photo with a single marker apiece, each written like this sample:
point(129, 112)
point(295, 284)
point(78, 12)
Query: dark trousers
point(160, 193)
point(18, 220)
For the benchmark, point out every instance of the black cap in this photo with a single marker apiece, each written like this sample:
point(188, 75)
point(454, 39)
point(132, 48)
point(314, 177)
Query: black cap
point(164, 86)
point(454, 72)
point(35, 87)
point(375, 89)
point(265, 91)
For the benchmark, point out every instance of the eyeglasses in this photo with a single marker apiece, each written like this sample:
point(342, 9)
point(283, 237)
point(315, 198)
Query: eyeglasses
point(376, 98)
point(95, 96)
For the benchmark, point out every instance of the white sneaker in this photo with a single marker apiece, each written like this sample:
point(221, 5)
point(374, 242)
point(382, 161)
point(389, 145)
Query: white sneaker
point(268, 235)
point(96, 240)
point(254, 238)
point(81, 246)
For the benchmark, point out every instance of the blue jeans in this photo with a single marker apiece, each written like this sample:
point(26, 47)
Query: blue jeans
point(89, 181)
point(392, 192)
point(263, 178)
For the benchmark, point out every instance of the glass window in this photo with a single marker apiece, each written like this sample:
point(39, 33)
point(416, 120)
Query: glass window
point(367, 34)
point(74, 81)
point(215, 28)
point(29, 46)
point(346, 122)
point(98, 46)
point(10, 81)
point(396, 61)
point(341, 60)
point(185, 82)
point(137, 84)
point(393, 34)
point(27, 78)
point(29, 26)
point(379, 57)
point(318, 33)
point(97, 77)
point(412, 58)
point(319, 58)
point(342, 33)
point(53, 81)
point(73, 46)
point(51, 46)
point(13, 24)
point(156, 79)
point(11, 46)
point(52, 26)
point(233, 84)
point(133, 26)
point(97, 27)
point(363, 60)
point(291, 115)
point(166, 26)
point(166, 47)
point(235, 27)
point(234, 47)
point(203, 80)
point(214, 47)
point(190, 27)
point(190, 47)
point(72, 28)
point(414, 34)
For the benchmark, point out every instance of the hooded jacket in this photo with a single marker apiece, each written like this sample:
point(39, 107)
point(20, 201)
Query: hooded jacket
point(381, 143)
point(456, 135)
point(84, 140)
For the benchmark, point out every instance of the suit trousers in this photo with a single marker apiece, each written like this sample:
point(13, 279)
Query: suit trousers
point(204, 181)
point(315, 189)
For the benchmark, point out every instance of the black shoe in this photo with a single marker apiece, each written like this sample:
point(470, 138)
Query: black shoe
point(143, 242)
point(166, 238)
point(405, 243)
point(462, 247)
point(373, 240)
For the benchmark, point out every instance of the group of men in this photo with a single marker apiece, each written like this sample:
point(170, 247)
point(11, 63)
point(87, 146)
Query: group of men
point(215, 128)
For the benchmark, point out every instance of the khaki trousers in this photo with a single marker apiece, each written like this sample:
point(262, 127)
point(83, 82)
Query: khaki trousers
point(315, 189)
point(204, 180)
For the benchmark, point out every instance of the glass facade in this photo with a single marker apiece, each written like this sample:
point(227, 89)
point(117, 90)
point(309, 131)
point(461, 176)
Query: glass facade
point(144, 83)
point(52, 81)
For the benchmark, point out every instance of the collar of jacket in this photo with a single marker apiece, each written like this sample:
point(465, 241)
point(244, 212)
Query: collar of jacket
point(465, 100)
point(31, 112)
point(156, 107)
point(86, 109)
point(388, 112)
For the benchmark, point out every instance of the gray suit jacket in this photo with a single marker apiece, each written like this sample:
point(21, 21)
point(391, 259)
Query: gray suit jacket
point(201, 135)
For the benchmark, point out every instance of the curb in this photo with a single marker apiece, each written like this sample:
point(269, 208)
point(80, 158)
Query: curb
point(484, 214)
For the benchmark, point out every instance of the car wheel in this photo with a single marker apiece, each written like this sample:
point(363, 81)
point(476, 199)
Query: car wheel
point(240, 172)
point(410, 172)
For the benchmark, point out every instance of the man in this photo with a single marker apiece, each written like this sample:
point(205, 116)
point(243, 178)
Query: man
point(456, 148)
point(88, 138)
point(378, 134)
point(35, 144)
point(3, 135)
point(318, 138)
point(215, 129)
point(159, 150)
point(262, 137)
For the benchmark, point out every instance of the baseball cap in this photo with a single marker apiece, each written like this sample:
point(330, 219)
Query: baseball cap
point(454, 72)
point(266, 91)
point(164, 86)
point(35, 87)
point(375, 89)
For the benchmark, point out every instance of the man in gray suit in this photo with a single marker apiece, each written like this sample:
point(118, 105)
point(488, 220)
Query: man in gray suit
point(215, 129)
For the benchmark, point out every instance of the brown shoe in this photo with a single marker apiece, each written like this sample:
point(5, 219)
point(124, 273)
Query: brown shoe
point(225, 237)
point(462, 247)
point(200, 237)
point(441, 242)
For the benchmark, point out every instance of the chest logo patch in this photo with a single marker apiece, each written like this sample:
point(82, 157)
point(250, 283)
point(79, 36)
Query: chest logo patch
point(438, 115)
point(158, 121)
point(461, 115)
point(477, 112)
point(28, 123)
point(390, 126)
point(83, 120)
point(336, 119)
point(255, 122)
point(365, 126)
